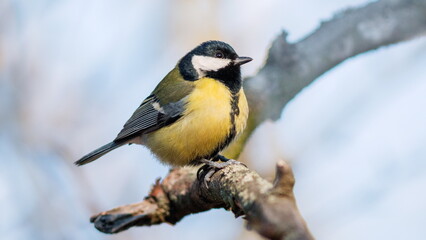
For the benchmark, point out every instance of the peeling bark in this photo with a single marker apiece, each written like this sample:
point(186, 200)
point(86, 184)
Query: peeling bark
point(270, 209)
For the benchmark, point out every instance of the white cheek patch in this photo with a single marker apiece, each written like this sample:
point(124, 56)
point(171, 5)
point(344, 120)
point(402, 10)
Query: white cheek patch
point(203, 64)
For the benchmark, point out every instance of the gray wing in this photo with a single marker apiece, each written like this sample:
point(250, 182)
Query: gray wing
point(149, 117)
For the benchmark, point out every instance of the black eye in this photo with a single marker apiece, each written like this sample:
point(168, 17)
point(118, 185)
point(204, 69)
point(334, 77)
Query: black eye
point(219, 55)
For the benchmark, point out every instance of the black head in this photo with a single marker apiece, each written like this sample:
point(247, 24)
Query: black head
point(214, 59)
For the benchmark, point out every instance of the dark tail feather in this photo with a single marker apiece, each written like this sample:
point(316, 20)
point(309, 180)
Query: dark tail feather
point(98, 153)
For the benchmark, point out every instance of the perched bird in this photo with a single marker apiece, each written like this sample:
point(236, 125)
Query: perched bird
point(193, 113)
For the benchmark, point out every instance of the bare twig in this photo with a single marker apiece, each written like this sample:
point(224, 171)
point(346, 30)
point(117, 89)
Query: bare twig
point(270, 209)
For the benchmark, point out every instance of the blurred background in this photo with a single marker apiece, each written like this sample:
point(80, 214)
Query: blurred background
point(73, 71)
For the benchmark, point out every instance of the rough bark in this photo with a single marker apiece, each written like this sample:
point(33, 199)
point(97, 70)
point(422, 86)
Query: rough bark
point(270, 209)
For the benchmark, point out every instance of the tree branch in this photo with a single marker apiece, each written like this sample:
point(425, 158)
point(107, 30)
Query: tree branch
point(290, 67)
point(270, 209)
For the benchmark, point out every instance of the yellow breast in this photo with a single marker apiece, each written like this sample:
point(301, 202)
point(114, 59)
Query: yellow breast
point(205, 124)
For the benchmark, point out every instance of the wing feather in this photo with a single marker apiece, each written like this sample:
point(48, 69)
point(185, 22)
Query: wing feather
point(163, 107)
point(148, 117)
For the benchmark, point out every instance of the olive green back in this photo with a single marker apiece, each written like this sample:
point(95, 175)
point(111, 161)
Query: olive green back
point(173, 87)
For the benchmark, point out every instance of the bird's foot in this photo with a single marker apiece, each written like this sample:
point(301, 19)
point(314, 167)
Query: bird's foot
point(211, 166)
point(220, 158)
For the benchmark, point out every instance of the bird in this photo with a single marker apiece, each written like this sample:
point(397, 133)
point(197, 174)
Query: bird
point(194, 113)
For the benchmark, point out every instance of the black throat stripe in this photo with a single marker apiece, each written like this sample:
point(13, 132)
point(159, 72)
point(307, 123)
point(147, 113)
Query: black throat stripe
point(235, 111)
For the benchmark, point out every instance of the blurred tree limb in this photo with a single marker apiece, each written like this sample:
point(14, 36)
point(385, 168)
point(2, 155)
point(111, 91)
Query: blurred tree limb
point(292, 66)
point(270, 209)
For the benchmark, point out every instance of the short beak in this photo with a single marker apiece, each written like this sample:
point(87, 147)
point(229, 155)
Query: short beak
point(241, 60)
